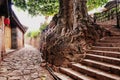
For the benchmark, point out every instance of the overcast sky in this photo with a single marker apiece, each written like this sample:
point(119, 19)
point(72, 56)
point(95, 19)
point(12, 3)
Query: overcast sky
point(26, 19)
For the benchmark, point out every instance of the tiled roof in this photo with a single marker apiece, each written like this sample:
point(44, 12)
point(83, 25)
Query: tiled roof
point(13, 16)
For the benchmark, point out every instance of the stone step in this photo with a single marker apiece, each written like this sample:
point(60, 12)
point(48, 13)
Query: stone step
point(107, 44)
point(110, 41)
point(110, 60)
point(62, 76)
point(115, 33)
point(105, 48)
point(111, 37)
point(105, 53)
point(115, 36)
point(103, 66)
point(96, 73)
point(74, 74)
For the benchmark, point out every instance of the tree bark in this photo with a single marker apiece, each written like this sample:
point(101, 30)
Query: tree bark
point(71, 34)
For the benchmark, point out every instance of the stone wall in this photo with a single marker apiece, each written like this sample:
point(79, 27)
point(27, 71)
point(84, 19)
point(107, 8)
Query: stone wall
point(7, 37)
point(14, 38)
point(35, 41)
point(20, 38)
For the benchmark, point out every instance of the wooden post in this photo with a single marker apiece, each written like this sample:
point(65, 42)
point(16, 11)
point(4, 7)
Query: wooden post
point(0, 36)
point(2, 43)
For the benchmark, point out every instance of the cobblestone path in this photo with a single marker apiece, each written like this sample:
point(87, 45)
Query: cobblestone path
point(23, 65)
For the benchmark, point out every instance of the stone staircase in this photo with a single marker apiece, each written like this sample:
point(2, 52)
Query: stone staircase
point(102, 62)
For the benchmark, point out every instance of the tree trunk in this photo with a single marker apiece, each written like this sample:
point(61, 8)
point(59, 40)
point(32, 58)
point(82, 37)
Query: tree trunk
point(71, 34)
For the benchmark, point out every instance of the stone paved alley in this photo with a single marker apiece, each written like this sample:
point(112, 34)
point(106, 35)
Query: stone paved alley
point(23, 64)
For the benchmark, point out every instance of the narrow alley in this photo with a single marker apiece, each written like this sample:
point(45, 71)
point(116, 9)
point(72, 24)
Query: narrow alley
point(23, 64)
point(59, 39)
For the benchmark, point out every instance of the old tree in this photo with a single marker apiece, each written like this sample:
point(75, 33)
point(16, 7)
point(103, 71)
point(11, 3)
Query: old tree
point(71, 30)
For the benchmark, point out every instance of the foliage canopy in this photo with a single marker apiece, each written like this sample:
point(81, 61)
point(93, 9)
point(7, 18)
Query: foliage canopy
point(38, 7)
point(50, 7)
point(91, 4)
point(33, 34)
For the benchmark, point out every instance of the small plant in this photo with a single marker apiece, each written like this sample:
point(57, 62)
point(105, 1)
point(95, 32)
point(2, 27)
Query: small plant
point(43, 27)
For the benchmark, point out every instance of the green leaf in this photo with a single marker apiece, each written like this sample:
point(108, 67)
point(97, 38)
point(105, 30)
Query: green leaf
point(50, 7)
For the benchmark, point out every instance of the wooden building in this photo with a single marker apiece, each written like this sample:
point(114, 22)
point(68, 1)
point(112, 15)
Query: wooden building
point(17, 31)
point(11, 30)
